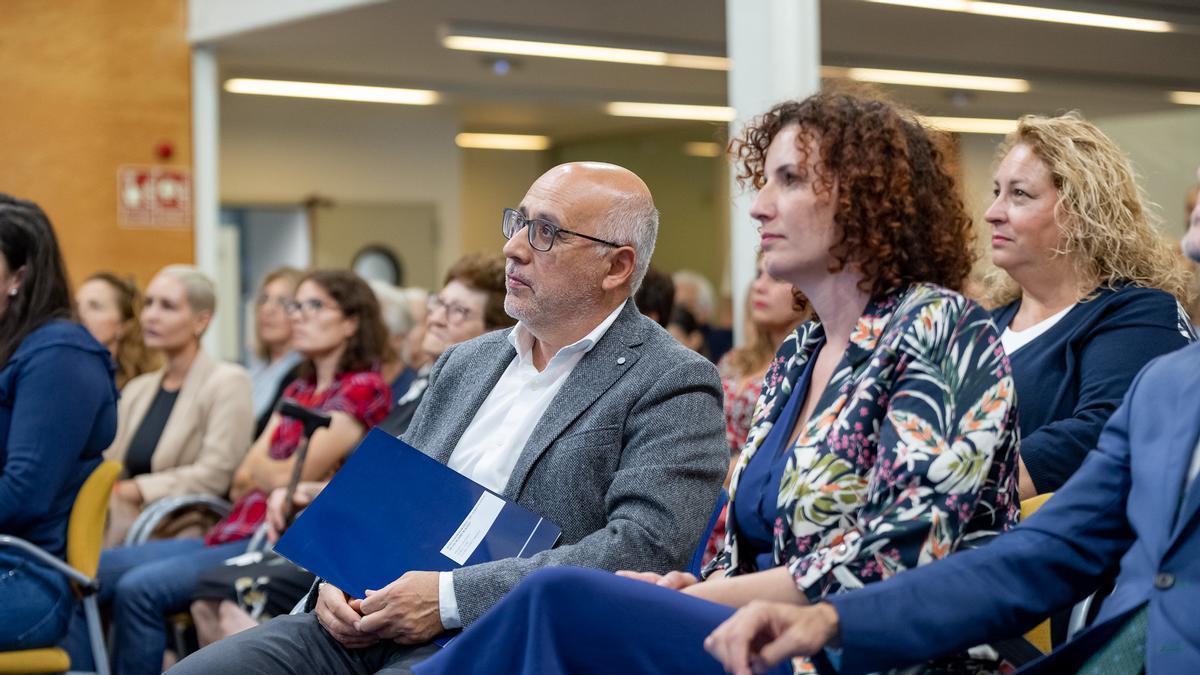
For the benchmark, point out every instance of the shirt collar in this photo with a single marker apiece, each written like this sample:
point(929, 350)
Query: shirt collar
point(522, 340)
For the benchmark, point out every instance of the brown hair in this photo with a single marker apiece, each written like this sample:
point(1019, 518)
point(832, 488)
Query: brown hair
point(368, 347)
point(132, 357)
point(484, 273)
point(293, 277)
point(899, 215)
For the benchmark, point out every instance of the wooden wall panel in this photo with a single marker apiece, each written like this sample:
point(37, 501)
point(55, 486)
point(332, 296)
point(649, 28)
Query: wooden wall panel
point(86, 86)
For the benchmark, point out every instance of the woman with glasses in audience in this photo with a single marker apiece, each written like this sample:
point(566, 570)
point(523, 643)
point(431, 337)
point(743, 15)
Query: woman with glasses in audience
point(58, 411)
point(337, 328)
point(274, 364)
point(110, 308)
point(885, 435)
point(236, 596)
point(1088, 289)
point(184, 428)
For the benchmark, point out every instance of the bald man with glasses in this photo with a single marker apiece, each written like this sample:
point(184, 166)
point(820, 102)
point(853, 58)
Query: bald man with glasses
point(585, 412)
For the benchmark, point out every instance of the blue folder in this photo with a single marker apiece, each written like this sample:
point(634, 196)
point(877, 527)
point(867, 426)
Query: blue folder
point(392, 509)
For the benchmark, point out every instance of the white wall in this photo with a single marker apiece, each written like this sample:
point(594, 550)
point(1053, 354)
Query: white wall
point(283, 151)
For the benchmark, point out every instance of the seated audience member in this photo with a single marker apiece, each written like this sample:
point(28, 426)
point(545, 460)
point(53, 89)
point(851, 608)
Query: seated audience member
point(885, 437)
point(1133, 505)
point(336, 327)
point(773, 310)
point(694, 293)
point(110, 307)
point(242, 594)
point(274, 365)
point(684, 327)
point(1089, 288)
point(470, 304)
point(58, 411)
point(656, 297)
point(183, 429)
point(585, 412)
point(396, 369)
point(1193, 302)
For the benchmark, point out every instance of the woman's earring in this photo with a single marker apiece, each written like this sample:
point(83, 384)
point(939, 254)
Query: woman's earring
point(12, 292)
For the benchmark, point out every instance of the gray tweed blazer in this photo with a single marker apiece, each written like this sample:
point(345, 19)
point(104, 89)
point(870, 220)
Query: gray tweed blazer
point(628, 460)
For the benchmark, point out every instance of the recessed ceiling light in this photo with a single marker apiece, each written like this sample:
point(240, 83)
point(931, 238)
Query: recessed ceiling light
point(702, 149)
point(335, 92)
point(671, 111)
point(1185, 97)
point(502, 141)
point(914, 78)
point(1037, 14)
point(582, 52)
point(972, 125)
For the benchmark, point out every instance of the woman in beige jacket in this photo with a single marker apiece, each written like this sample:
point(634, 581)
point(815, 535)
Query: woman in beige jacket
point(183, 429)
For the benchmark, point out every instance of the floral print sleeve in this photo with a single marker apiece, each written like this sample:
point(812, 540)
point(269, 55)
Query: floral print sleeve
point(940, 458)
point(910, 455)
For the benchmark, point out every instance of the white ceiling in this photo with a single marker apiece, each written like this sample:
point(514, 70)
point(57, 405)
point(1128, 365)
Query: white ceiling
point(1101, 72)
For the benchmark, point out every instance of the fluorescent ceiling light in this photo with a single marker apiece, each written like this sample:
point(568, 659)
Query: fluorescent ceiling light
point(502, 141)
point(671, 111)
point(971, 125)
point(335, 92)
point(1185, 97)
point(1037, 14)
point(946, 80)
point(563, 50)
point(702, 149)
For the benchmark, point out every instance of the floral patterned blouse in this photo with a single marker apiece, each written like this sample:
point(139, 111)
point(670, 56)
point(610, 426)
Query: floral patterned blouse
point(911, 452)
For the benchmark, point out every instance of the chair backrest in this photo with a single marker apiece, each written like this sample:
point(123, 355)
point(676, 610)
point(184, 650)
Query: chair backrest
point(1031, 505)
point(1039, 636)
point(85, 530)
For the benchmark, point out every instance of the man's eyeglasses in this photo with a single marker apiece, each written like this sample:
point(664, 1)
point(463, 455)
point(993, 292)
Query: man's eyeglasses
point(455, 312)
point(542, 233)
point(306, 308)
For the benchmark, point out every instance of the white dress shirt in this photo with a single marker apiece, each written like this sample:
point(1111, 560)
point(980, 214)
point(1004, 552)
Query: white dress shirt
point(488, 450)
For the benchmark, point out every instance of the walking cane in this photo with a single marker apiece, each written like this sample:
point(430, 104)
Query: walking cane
point(312, 420)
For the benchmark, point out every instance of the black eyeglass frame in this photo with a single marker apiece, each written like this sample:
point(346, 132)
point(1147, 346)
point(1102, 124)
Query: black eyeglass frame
point(524, 222)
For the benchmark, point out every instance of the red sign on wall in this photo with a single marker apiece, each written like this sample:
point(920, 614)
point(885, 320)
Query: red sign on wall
point(154, 196)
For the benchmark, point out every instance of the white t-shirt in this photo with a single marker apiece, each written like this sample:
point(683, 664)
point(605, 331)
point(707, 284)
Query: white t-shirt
point(1015, 339)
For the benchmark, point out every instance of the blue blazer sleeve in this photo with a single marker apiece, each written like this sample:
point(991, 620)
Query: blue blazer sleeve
point(61, 393)
point(1116, 346)
point(1048, 562)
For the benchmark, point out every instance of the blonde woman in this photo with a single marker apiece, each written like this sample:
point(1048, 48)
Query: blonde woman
point(109, 307)
point(1087, 291)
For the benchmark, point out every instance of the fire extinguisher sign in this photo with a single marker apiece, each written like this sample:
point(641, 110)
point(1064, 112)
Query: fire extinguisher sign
point(154, 196)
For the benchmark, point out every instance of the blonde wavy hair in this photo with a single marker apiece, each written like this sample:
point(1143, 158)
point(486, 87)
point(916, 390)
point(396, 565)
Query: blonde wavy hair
point(1107, 232)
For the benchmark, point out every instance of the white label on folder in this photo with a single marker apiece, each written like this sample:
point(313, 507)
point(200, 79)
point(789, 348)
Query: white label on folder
point(473, 528)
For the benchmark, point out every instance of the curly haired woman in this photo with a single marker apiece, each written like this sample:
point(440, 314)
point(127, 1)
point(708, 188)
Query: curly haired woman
point(885, 436)
point(1088, 289)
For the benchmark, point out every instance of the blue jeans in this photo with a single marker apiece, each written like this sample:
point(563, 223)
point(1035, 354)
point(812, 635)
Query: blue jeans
point(37, 602)
point(144, 585)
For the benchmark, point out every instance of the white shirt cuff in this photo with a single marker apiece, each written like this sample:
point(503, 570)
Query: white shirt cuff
point(448, 602)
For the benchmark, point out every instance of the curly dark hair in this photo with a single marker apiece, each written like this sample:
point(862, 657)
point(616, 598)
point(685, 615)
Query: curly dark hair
point(368, 347)
point(484, 273)
point(898, 211)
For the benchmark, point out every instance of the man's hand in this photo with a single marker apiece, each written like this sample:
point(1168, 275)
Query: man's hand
point(762, 634)
point(276, 516)
point(338, 618)
point(675, 580)
point(406, 610)
point(129, 492)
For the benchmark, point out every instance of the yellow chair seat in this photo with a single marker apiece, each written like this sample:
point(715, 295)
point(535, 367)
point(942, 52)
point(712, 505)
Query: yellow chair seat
point(48, 660)
point(1040, 635)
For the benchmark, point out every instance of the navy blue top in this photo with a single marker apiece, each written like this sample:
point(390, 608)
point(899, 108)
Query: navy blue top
point(758, 486)
point(58, 412)
point(1071, 378)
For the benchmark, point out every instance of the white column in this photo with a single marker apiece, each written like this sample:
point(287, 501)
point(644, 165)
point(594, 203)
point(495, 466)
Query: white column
point(774, 47)
point(205, 185)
